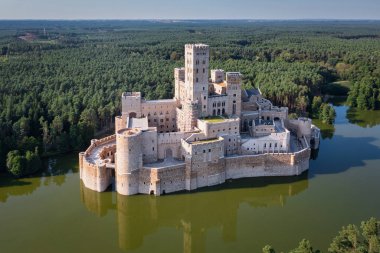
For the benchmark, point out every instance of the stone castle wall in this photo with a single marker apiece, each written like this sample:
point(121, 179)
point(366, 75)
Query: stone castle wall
point(267, 164)
point(96, 176)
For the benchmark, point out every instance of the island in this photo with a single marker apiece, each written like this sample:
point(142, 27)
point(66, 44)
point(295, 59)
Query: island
point(210, 132)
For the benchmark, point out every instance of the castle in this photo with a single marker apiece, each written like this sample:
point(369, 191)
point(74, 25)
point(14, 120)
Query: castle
point(211, 131)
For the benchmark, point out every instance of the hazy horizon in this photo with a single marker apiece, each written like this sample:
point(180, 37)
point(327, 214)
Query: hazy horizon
point(189, 10)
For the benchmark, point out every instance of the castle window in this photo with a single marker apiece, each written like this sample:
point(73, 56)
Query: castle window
point(204, 151)
point(153, 148)
point(204, 62)
point(209, 150)
point(204, 97)
point(203, 70)
point(234, 95)
point(161, 120)
point(155, 120)
point(197, 71)
point(196, 79)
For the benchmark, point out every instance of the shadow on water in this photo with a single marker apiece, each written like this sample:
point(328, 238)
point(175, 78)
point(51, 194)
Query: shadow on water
point(54, 171)
point(344, 153)
point(10, 186)
point(365, 119)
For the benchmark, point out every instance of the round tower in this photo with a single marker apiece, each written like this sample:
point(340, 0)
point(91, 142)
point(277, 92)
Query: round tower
point(128, 160)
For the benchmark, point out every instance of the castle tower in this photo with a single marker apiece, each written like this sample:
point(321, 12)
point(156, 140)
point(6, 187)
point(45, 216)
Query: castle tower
point(233, 80)
point(128, 160)
point(131, 105)
point(196, 74)
point(179, 78)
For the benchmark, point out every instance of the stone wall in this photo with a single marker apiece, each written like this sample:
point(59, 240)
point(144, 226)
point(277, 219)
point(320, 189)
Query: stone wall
point(129, 150)
point(127, 184)
point(214, 129)
point(169, 144)
point(96, 176)
point(150, 146)
point(131, 104)
point(273, 143)
point(161, 114)
point(267, 164)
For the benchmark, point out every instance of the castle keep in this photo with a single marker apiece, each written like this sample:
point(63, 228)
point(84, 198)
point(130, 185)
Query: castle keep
point(212, 130)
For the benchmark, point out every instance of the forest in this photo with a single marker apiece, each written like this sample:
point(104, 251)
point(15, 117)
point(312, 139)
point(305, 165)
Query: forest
point(60, 81)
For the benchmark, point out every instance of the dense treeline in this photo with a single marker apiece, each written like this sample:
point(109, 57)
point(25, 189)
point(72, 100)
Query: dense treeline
point(350, 239)
point(61, 87)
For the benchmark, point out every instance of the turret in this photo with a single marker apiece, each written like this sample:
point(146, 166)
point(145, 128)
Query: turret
point(179, 77)
point(131, 104)
point(304, 128)
point(233, 80)
point(128, 160)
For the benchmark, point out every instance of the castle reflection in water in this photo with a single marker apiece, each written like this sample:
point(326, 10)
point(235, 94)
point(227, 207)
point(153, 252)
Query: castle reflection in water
point(216, 207)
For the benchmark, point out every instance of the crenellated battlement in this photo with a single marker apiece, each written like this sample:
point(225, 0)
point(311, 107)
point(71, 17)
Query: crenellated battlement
point(211, 131)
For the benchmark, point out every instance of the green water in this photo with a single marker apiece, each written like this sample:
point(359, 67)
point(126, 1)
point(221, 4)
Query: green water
point(54, 213)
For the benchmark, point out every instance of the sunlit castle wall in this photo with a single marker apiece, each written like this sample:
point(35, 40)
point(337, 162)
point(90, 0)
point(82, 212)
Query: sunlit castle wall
point(128, 160)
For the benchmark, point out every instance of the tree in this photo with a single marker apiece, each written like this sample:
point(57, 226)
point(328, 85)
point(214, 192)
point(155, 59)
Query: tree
point(316, 106)
point(327, 113)
point(350, 239)
point(304, 247)
point(16, 163)
point(21, 165)
point(268, 249)
point(371, 232)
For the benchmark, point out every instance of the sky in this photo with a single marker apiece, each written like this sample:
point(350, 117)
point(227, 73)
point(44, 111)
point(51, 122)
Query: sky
point(189, 9)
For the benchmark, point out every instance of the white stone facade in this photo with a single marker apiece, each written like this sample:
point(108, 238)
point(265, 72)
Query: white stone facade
point(211, 130)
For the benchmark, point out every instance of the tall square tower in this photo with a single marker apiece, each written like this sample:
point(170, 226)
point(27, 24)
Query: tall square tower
point(196, 72)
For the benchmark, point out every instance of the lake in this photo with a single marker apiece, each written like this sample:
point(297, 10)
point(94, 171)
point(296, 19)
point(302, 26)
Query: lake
point(53, 212)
